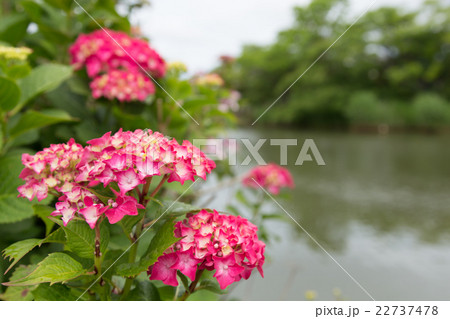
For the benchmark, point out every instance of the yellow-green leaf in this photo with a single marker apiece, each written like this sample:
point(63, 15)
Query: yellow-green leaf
point(56, 267)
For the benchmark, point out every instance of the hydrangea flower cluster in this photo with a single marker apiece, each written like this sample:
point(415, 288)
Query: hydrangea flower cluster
point(110, 59)
point(272, 177)
point(119, 162)
point(48, 169)
point(116, 84)
point(177, 66)
point(212, 241)
point(11, 53)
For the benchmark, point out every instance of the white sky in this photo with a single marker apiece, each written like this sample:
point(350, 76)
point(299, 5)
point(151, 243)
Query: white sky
point(197, 32)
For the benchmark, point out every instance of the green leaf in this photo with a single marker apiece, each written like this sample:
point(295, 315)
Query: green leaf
point(79, 85)
point(33, 119)
point(130, 270)
point(184, 279)
point(211, 285)
point(9, 94)
point(129, 121)
point(111, 260)
point(127, 223)
point(57, 292)
point(197, 103)
point(13, 28)
point(63, 5)
point(56, 267)
point(58, 236)
point(64, 98)
point(175, 209)
point(18, 71)
point(241, 198)
point(13, 209)
point(19, 249)
point(81, 238)
point(233, 210)
point(43, 211)
point(163, 239)
point(1, 137)
point(19, 293)
point(144, 291)
point(274, 216)
point(26, 138)
point(203, 295)
point(167, 292)
point(41, 79)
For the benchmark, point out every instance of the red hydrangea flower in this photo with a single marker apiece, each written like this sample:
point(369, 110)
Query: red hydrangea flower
point(118, 64)
point(121, 161)
point(272, 177)
point(212, 241)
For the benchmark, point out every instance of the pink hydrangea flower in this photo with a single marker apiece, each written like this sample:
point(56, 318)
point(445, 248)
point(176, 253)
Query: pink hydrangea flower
point(272, 177)
point(130, 157)
point(50, 168)
point(227, 270)
point(118, 64)
point(163, 269)
point(103, 50)
point(122, 161)
point(212, 241)
point(122, 85)
point(123, 205)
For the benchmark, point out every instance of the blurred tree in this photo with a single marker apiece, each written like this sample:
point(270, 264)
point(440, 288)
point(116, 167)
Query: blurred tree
point(391, 53)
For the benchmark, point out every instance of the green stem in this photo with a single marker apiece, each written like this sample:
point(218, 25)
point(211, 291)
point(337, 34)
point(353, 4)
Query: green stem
point(192, 286)
point(3, 123)
point(132, 258)
point(139, 227)
point(257, 206)
point(149, 223)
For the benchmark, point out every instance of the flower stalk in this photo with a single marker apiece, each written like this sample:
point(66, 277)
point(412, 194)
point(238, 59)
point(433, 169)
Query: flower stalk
point(193, 284)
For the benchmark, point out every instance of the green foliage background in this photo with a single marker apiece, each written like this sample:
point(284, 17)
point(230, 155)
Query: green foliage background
point(391, 68)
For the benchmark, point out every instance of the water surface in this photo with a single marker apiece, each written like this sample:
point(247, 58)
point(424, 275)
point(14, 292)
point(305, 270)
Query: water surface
point(380, 207)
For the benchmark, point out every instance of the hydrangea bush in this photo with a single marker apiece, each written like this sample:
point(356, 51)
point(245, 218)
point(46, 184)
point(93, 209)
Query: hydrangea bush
point(110, 216)
point(110, 181)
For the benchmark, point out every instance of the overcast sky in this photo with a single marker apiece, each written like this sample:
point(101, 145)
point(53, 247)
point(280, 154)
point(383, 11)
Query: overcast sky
point(197, 32)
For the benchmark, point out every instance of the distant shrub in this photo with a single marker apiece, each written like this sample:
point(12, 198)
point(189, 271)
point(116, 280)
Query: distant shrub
point(364, 108)
point(429, 109)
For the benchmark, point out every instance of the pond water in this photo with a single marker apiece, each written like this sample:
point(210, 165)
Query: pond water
point(380, 207)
